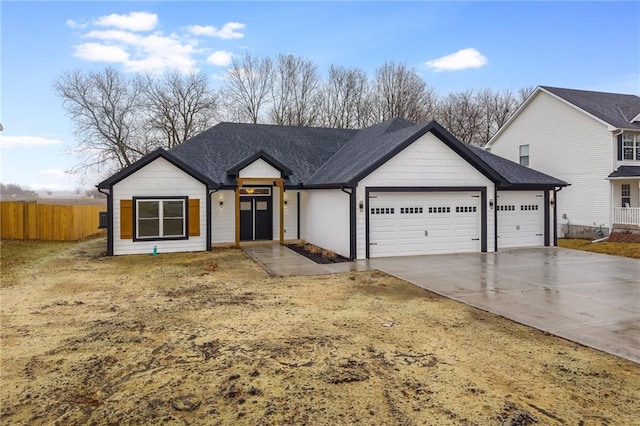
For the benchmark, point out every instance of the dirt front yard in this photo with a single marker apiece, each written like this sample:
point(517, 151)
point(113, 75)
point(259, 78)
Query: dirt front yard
point(209, 338)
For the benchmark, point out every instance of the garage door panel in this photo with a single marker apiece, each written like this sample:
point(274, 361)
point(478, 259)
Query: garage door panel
point(520, 219)
point(424, 223)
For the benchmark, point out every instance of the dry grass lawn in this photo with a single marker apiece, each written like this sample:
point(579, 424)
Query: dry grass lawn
point(209, 338)
point(618, 249)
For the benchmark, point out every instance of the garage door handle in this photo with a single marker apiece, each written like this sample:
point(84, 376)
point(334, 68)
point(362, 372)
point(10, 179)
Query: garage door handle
point(373, 244)
point(475, 239)
point(538, 235)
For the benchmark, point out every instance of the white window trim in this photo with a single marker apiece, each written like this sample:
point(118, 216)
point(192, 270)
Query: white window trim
point(634, 140)
point(521, 156)
point(160, 202)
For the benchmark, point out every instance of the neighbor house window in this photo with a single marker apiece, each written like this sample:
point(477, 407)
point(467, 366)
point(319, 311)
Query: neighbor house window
point(626, 195)
point(524, 155)
point(160, 218)
point(631, 146)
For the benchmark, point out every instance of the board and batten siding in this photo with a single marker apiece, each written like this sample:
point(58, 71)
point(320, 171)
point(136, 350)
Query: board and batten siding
point(427, 162)
point(223, 218)
point(569, 145)
point(159, 179)
point(259, 169)
point(290, 215)
point(325, 219)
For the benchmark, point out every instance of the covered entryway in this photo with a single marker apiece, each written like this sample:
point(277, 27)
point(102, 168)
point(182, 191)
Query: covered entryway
point(520, 219)
point(415, 223)
point(256, 214)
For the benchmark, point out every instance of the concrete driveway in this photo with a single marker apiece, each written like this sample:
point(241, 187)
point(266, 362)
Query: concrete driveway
point(589, 298)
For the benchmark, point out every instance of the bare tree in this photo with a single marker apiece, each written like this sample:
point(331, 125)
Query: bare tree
point(295, 92)
point(399, 91)
point(461, 114)
point(178, 106)
point(346, 102)
point(248, 87)
point(104, 108)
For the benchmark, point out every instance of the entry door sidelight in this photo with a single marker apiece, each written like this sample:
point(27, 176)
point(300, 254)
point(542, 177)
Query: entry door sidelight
point(256, 219)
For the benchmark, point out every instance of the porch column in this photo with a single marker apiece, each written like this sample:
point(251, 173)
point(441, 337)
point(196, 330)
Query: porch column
point(280, 184)
point(238, 186)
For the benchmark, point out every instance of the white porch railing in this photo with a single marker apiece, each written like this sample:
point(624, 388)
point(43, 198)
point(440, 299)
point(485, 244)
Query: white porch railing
point(626, 215)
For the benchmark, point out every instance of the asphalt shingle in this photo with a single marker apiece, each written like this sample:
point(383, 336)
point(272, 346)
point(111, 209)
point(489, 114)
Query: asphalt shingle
point(614, 108)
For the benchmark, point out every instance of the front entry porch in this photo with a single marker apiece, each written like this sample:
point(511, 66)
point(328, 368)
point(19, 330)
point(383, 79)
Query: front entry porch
point(625, 215)
point(626, 202)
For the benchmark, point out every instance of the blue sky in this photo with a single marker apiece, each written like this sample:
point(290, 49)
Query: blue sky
point(453, 45)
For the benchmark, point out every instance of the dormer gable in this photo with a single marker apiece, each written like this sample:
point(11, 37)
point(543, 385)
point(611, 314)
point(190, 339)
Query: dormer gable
point(259, 164)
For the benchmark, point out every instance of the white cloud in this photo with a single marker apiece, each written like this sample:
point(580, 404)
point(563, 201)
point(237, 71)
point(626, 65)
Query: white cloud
point(462, 59)
point(228, 30)
point(221, 58)
point(101, 53)
point(9, 142)
point(118, 39)
point(76, 25)
point(134, 21)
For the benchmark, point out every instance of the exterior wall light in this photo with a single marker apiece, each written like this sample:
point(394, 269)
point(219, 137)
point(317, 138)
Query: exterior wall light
point(361, 206)
point(491, 203)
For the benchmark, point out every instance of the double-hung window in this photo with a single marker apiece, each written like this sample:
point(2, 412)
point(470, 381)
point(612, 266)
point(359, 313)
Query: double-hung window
point(524, 155)
point(625, 191)
point(160, 218)
point(631, 146)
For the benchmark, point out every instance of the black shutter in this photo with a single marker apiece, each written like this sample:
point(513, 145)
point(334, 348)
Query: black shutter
point(619, 147)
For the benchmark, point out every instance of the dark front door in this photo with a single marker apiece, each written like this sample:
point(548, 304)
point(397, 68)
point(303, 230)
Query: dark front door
point(255, 218)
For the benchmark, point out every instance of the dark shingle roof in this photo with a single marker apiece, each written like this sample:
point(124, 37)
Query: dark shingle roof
point(626, 171)
point(301, 149)
point(613, 108)
point(322, 157)
point(515, 174)
point(365, 150)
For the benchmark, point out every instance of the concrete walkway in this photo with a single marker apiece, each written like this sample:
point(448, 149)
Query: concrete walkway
point(589, 298)
point(280, 261)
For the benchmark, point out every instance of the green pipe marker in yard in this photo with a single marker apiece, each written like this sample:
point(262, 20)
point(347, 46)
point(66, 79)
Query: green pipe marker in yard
point(155, 250)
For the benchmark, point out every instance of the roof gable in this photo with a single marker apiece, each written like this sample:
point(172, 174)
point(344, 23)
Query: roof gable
point(320, 157)
point(611, 109)
point(615, 109)
point(235, 170)
point(299, 151)
point(149, 158)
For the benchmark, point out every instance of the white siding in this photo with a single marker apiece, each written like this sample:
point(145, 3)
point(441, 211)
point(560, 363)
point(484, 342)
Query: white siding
point(290, 216)
point(224, 218)
point(569, 145)
point(426, 162)
point(259, 169)
point(157, 179)
point(325, 219)
point(223, 225)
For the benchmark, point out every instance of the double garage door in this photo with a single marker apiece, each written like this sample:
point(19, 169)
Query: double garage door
point(414, 223)
point(520, 219)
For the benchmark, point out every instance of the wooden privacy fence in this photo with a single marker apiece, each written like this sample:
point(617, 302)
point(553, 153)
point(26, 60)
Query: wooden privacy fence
point(33, 221)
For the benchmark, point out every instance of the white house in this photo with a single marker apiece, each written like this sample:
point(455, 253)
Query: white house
point(590, 140)
point(395, 188)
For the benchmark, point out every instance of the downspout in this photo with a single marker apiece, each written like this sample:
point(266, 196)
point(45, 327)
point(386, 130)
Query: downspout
point(495, 217)
point(352, 220)
point(109, 219)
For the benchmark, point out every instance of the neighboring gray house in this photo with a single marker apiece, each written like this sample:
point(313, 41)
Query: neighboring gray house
point(395, 188)
point(590, 140)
